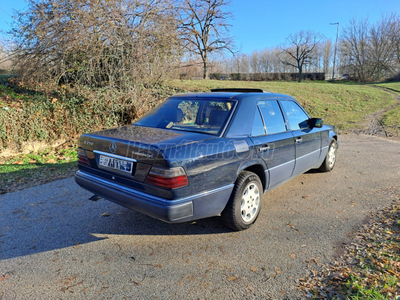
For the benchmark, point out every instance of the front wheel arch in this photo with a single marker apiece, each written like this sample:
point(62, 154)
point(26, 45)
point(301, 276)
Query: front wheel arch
point(330, 159)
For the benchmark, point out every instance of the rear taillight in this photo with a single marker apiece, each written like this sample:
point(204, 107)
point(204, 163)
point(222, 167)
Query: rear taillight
point(168, 178)
point(82, 158)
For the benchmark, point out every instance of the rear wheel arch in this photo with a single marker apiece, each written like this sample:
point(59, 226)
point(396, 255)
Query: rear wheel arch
point(259, 170)
point(244, 204)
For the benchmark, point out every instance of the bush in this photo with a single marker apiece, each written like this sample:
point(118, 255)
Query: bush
point(66, 114)
point(395, 78)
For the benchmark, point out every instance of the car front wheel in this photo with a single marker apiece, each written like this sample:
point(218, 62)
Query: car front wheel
point(244, 205)
point(330, 158)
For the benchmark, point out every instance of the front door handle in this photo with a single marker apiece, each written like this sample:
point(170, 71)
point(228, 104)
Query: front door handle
point(299, 140)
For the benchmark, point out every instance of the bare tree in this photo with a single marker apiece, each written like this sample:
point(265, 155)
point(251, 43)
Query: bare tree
point(6, 57)
point(355, 40)
point(381, 48)
point(244, 64)
point(276, 58)
point(371, 51)
point(326, 55)
point(265, 60)
point(255, 62)
point(204, 28)
point(300, 49)
point(395, 41)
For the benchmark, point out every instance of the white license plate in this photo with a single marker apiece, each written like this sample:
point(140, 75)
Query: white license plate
point(116, 164)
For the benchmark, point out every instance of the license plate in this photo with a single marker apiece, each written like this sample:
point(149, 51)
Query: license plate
point(116, 164)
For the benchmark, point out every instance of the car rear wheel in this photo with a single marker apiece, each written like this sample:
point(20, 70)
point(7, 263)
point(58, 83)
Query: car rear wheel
point(244, 205)
point(330, 158)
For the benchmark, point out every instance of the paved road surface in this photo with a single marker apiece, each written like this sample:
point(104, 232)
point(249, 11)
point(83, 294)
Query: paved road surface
point(55, 244)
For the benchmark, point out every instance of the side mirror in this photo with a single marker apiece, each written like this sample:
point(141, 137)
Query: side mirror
point(316, 122)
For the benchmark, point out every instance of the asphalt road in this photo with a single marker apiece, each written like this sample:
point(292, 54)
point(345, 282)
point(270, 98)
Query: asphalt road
point(55, 244)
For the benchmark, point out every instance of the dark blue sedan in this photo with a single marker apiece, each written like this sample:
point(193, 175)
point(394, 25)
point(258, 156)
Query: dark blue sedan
point(206, 154)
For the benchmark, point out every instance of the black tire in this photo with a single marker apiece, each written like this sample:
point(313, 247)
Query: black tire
point(330, 158)
point(244, 204)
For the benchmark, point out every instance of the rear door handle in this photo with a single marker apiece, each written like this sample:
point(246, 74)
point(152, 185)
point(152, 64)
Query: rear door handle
point(264, 148)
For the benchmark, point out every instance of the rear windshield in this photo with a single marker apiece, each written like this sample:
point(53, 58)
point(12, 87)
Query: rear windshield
point(204, 116)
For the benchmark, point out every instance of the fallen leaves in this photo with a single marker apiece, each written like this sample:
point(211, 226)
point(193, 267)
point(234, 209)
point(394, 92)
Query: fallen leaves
point(277, 271)
point(369, 265)
point(3, 277)
point(294, 228)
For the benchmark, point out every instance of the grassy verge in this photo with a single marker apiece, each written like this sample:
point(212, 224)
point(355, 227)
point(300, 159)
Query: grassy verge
point(391, 119)
point(394, 86)
point(340, 104)
point(27, 170)
point(28, 115)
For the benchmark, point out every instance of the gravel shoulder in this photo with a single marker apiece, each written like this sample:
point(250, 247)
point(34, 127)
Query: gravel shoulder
point(55, 244)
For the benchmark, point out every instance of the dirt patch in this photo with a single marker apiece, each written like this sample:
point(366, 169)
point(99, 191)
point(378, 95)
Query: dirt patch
point(373, 124)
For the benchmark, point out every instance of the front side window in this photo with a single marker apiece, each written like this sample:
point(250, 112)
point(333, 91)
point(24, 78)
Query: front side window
point(272, 116)
point(297, 118)
point(204, 116)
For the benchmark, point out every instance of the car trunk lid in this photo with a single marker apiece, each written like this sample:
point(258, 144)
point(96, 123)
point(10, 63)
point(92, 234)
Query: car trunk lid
point(131, 151)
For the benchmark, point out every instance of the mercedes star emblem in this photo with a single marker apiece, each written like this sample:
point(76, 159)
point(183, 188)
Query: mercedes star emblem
point(113, 147)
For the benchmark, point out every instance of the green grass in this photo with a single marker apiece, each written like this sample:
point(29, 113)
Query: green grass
point(391, 119)
point(340, 104)
point(394, 86)
point(36, 168)
point(361, 292)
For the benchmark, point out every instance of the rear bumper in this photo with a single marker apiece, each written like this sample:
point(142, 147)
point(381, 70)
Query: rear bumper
point(203, 205)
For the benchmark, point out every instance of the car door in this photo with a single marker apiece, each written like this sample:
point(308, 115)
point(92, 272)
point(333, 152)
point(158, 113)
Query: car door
point(307, 139)
point(273, 142)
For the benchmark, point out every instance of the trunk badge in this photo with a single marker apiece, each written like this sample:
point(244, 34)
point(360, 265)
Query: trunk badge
point(112, 147)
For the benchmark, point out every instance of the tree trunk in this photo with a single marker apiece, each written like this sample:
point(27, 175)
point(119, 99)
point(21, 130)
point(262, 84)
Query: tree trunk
point(205, 70)
point(300, 72)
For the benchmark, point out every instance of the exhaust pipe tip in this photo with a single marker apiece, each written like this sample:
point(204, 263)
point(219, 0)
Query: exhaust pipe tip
point(95, 198)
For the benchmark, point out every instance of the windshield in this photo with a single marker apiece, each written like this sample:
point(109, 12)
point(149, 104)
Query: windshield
point(197, 115)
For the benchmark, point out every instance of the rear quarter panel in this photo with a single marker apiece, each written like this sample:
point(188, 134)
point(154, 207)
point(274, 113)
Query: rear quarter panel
point(209, 165)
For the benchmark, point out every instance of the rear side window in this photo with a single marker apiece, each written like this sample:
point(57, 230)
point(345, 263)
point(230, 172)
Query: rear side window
point(297, 118)
point(272, 116)
point(258, 125)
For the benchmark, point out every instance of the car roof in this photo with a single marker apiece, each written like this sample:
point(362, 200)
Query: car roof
point(234, 94)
